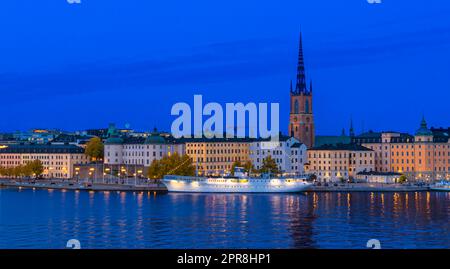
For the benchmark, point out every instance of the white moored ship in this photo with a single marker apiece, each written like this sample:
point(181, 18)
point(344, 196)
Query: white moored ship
point(239, 183)
point(441, 186)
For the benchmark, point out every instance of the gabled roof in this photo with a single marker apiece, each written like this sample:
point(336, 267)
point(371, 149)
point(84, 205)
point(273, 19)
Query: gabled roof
point(349, 147)
point(41, 148)
point(321, 140)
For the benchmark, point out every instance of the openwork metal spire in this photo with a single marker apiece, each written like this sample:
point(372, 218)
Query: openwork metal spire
point(300, 86)
point(301, 77)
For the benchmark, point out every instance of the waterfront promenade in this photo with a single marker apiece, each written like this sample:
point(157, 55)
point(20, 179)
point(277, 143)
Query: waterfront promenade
point(88, 185)
point(144, 185)
point(369, 187)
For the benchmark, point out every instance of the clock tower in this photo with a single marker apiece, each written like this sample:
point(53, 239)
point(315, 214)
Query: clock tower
point(301, 122)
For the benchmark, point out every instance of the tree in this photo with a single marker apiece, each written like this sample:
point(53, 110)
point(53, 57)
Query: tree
point(95, 149)
point(17, 171)
point(402, 179)
point(3, 171)
point(36, 168)
point(8, 171)
point(248, 166)
point(154, 171)
point(234, 165)
point(27, 170)
point(171, 165)
point(269, 166)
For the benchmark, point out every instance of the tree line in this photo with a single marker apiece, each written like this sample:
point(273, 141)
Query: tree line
point(183, 166)
point(173, 164)
point(33, 168)
point(269, 165)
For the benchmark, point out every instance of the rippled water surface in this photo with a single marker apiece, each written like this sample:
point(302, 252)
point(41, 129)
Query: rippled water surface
point(49, 218)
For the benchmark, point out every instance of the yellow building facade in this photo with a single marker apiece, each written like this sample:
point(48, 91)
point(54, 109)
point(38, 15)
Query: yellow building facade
point(216, 156)
point(58, 160)
point(423, 157)
point(333, 163)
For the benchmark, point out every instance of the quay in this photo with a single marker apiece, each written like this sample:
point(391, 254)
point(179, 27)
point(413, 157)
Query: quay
point(368, 187)
point(160, 188)
point(87, 186)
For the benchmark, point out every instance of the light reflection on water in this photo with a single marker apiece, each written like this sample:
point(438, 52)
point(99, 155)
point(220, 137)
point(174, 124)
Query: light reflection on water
point(47, 219)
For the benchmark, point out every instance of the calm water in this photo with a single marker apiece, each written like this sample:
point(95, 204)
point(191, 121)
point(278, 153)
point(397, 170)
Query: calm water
point(47, 219)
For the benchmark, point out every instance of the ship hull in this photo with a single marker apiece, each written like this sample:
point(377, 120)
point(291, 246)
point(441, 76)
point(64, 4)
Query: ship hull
point(204, 187)
point(447, 189)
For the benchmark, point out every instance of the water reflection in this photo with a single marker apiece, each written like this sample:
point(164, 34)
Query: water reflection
point(47, 219)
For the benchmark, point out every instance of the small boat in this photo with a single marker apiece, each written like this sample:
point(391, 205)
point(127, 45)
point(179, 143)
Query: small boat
point(239, 183)
point(441, 186)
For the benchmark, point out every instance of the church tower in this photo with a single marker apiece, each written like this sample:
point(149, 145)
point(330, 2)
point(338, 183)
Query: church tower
point(301, 122)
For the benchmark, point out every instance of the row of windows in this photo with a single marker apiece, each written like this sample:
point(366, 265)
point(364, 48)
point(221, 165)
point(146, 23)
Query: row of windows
point(275, 152)
point(343, 174)
point(214, 145)
point(419, 161)
point(411, 169)
point(41, 157)
point(143, 147)
point(218, 159)
point(213, 151)
point(344, 162)
point(136, 154)
point(332, 168)
point(141, 154)
point(341, 155)
point(272, 144)
point(443, 146)
point(15, 163)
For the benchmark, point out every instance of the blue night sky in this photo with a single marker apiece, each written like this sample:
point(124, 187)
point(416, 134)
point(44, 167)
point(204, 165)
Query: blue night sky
point(78, 66)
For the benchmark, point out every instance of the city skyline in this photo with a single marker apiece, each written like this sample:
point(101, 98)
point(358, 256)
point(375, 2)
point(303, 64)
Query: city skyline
point(397, 64)
point(207, 133)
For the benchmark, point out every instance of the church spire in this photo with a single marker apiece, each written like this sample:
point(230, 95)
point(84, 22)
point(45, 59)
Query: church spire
point(300, 87)
point(352, 132)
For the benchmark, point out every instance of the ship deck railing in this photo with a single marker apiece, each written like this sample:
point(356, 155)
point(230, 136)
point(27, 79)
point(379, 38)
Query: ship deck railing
point(197, 178)
point(191, 178)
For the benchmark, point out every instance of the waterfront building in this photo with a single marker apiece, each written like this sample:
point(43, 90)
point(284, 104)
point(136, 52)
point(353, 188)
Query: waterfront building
point(288, 153)
point(73, 139)
point(378, 177)
point(216, 156)
point(37, 136)
point(424, 156)
point(6, 139)
point(104, 133)
point(333, 163)
point(301, 120)
point(58, 160)
point(129, 150)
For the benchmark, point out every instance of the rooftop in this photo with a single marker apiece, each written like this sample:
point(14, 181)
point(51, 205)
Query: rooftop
point(331, 140)
point(41, 148)
point(349, 147)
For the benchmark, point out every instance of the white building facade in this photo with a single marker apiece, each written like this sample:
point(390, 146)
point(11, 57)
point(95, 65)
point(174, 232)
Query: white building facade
point(288, 153)
point(139, 150)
